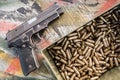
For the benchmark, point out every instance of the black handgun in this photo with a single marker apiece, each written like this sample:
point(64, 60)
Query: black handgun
point(20, 37)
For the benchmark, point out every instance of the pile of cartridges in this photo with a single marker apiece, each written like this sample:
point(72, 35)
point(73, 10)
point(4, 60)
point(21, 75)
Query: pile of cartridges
point(91, 50)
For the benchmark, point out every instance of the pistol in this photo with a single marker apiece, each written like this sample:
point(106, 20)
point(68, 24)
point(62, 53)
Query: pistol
point(20, 37)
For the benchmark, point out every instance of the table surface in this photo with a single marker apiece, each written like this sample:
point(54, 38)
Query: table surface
point(76, 13)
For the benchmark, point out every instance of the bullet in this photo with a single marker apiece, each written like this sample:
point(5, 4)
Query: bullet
point(57, 47)
point(83, 68)
point(89, 69)
point(108, 52)
point(88, 35)
point(76, 52)
point(90, 62)
point(73, 76)
point(69, 69)
point(74, 58)
point(83, 36)
point(58, 58)
point(85, 50)
point(63, 53)
point(77, 40)
point(81, 62)
point(94, 78)
point(64, 41)
point(72, 34)
point(63, 67)
point(89, 44)
point(69, 73)
point(85, 61)
point(115, 17)
point(111, 62)
point(91, 41)
point(63, 61)
point(95, 60)
point(72, 37)
point(76, 71)
point(99, 47)
point(66, 45)
point(85, 77)
point(102, 26)
point(63, 75)
point(104, 19)
point(68, 53)
point(87, 55)
point(92, 29)
point(116, 62)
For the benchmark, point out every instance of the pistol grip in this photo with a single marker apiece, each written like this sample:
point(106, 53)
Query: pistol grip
point(26, 59)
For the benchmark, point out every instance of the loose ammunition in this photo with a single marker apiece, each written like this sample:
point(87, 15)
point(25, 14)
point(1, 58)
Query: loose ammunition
point(83, 68)
point(102, 26)
point(116, 62)
point(63, 67)
point(92, 29)
point(99, 34)
point(76, 71)
point(94, 69)
point(57, 58)
point(104, 19)
point(63, 75)
point(69, 69)
point(66, 75)
point(58, 64)
point(72, 37)
point(115, 17)
point(77, 40)
point(89, 44)
point(108, 52)
point(63, 61)
point(89, 69)
point(57, 47)
point(85, 61)
point(94, 78)
point(111, 62)
point(74, 58)
point(107, 59)
point(90, 62)
point(88, 35)
point(69, 73)
point(101, 51)
point(85, 77)
point(63, 53)
point(102, 62)
point(66, 45)
point(76, 52)
point(81, 62)
point(83, 36)
point(99, 47)
point(95, 60)
point(97, 44)
point(87, 55)
point(76, 78)
point(91, 41)
point(68, 53)
point(80, 29)
point(93, 53)
point(72, 34)
point(64, 41)
point(73, 76)
point(85, 50)
point(77, 64)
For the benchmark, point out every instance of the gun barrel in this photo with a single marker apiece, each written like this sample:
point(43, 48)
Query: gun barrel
point(43, 18)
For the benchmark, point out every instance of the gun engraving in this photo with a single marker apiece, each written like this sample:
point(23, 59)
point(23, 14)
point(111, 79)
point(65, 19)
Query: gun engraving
point(20, 37)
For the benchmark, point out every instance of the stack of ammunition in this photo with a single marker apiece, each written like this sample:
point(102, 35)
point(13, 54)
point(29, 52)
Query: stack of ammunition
point(91, 50)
